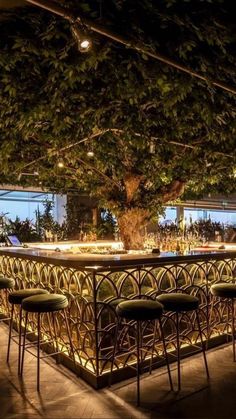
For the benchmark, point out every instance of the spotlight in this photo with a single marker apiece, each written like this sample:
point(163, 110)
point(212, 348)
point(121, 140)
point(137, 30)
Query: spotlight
point(90, 153)
point(83, 41)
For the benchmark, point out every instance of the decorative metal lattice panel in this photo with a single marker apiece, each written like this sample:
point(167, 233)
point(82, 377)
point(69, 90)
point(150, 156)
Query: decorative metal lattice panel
point(93, 295)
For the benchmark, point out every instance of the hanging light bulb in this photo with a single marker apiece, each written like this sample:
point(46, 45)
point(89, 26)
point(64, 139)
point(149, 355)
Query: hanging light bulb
point(90, 153)
point(83, 41)
point(60, 163)
point(152, 148)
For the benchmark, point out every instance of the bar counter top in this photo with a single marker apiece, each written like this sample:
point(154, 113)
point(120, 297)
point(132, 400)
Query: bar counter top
point(53, 255)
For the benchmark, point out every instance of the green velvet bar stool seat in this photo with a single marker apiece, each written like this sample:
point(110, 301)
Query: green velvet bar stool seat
point(178, 302)
point(45, 303)
point(46, 306)
point(140, 310)
point(116, 301)
point(6, 283)
point(224, 290)
point(16, 297)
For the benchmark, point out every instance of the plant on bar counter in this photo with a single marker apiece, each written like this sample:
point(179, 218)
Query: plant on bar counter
point(134, 132)
point(47, 228)
point(24, 229)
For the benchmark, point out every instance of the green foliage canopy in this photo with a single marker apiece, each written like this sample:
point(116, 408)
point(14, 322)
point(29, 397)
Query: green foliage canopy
point(154, 130)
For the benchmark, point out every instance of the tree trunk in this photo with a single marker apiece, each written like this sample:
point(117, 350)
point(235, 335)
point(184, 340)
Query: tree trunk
point(131, 225)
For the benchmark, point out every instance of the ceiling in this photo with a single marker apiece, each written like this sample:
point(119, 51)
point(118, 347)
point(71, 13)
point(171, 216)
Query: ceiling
point(217, 202)
point(9, 4)
point(11, 195)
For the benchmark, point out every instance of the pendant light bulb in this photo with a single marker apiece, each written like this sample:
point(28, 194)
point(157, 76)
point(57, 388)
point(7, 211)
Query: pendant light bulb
point(83, 41)
point(90, 153)
point(60, 163)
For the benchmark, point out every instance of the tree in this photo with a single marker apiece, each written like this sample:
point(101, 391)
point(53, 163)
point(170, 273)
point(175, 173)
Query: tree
point(156, 133)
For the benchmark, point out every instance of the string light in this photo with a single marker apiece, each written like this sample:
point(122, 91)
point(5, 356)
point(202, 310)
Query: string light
point(90, 153)
point(83, 41)
point(60, 163)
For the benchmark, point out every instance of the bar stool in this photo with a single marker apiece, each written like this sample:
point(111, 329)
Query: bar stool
point(179, 303)
point(50, 303)
point(6, 284)
point(227, 292)
point(141, 311)
point(15, 298)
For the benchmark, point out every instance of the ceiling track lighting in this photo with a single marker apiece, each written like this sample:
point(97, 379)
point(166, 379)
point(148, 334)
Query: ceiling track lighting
point(84, 43)
point(67, 14)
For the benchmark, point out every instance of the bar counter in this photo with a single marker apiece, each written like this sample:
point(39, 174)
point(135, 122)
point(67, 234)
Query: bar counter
point(94, 283)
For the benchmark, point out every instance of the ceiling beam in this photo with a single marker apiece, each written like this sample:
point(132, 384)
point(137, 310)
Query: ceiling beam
point(38, 195)
point(11, 4)
point(37, 201)
point(9, 187)
point(5, 193)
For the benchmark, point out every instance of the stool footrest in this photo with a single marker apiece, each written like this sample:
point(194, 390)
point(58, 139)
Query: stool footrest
point(44, 356)
point(41, 342)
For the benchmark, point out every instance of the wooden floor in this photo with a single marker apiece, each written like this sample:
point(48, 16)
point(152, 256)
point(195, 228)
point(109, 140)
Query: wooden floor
point(63, 395)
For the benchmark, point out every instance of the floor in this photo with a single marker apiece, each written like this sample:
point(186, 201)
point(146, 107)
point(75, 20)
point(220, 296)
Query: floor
point(63, 395)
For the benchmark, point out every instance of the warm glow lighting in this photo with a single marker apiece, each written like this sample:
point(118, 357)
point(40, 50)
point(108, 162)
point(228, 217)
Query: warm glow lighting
point(84, 45)
point(90, 153)
point(60, 164)
point(83, 42)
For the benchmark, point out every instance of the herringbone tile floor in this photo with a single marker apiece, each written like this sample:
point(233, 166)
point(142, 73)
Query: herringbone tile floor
point(64, 396)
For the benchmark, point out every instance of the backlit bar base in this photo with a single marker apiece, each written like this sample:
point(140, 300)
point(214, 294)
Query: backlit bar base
point(91, 283)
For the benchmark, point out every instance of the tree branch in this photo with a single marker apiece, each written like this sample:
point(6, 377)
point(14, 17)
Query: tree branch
point(116, 131)
point(101, 174)
point(55, 151)
point(172, 191)
point(132, 183)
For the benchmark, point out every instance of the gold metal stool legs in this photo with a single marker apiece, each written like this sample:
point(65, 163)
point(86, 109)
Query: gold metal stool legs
point(202, 344)
point(19, 339)
point(178, 347)
point(138, 330)
point(10, 334)
point(40, 341)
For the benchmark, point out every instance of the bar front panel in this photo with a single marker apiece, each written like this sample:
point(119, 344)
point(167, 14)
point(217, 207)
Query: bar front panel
point(94, 292)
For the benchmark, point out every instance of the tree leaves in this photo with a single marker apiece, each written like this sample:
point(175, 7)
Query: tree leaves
point(52, 96)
